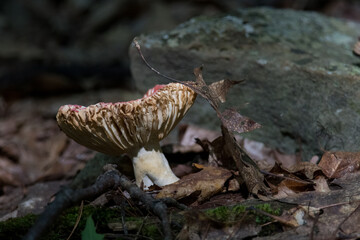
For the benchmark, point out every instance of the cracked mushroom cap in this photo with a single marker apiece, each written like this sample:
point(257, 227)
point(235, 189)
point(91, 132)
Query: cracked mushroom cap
point(124, 127)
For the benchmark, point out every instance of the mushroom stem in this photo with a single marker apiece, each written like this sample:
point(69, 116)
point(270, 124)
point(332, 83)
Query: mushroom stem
point(151, 167)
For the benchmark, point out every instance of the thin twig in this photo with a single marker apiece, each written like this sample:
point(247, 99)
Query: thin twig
point(336, 204)
point(154, 205)
point(237, 227)
point(128, 201)
point(207, 231)
point(141, 226)
point(313, 226)
point(137, 45)
point(77, 220)
point(171, 202)
point(276, 218)
point(122, 212)
point(111, 179)
point(343, 221)
point(284, 177)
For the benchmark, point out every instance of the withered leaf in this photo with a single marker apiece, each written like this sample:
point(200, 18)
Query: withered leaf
point(351, 224)
point(295, 184)
point(283, 192)
point(307, 168)
point(234, 121)
point(337, 164)
point(284, 184)
point(215, 150)
point(220, 88)
point(214, 95)
point(321, 184)
point(356, 49)
point(207, 182)
point(293, 217)
point(201, 88)
point(248, 169)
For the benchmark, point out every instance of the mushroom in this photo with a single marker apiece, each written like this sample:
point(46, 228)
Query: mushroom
point(134, 127)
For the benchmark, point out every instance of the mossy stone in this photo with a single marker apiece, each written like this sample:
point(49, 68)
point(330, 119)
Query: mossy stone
point(301, 78)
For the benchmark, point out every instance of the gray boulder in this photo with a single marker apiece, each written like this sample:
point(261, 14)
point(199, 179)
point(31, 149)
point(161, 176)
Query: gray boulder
point(302, 82)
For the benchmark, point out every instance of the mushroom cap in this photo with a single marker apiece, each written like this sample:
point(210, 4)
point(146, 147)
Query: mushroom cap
point(125, 127)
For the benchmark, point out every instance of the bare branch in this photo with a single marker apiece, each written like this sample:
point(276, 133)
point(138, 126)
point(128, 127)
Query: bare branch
point(111, 179)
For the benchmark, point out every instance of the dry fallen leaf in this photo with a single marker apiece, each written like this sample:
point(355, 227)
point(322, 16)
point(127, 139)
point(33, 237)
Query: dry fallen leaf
point(248, 169)
point(282, 191)
point(298, 178)
point(225, 151)
point(35, 150)
point(337, 164)
point(356, 49)
point(306, 168)
point(234, 121)
point(321, 184)
point(221, 88)
point(204, 184)
point(351, 225)
point(215, 94)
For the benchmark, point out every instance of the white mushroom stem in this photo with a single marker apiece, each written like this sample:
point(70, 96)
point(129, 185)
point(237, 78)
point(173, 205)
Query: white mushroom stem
point(151, 167)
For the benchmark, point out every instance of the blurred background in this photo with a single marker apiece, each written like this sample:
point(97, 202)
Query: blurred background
point(55, 52)
point(52, 47)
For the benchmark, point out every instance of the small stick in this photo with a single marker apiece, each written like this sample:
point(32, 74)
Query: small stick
point(343, 221)
point(312, 232)
point(141, 227)
point(288, 178)
point(173, 203)
point(111, 179)
point(122, 212)
point(77, 220)
point(137, 45)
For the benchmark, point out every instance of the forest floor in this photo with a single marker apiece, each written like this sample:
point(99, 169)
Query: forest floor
point(317, 199)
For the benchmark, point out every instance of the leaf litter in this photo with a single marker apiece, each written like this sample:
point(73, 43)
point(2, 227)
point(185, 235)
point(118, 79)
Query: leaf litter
point(283, 176)
point(199, 186)
point(323, 197)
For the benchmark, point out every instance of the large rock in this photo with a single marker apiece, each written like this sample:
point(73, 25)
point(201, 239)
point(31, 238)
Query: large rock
point(302, 81)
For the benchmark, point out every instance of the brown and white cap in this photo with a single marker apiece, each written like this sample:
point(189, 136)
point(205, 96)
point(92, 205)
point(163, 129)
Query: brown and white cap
point(124, 127)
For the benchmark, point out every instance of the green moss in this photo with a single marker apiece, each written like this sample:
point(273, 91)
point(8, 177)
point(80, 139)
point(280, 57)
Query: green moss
point(260, 218)
point(249, 213)
point(152, 231)
point(234, 213)
point(17, 227)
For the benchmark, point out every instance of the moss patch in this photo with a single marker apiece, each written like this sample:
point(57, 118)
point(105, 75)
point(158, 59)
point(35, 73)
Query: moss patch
point(246, 213)
point(230, 214)
point(15, 229)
